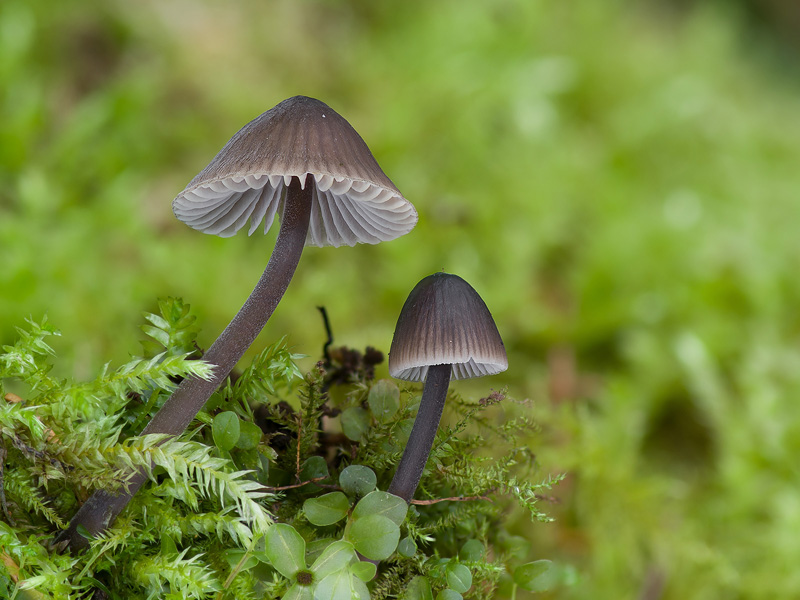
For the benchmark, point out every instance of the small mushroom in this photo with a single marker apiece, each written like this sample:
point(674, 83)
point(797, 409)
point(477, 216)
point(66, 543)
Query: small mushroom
point(300, 160)
point(444, 332)
point(303, 160)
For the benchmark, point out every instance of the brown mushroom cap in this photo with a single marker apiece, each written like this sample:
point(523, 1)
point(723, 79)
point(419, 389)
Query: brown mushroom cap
point(445, 321)
point(353, 200)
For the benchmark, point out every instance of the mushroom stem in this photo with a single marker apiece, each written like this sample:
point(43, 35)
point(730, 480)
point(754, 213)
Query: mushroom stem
point(418, 449)
point(100, 510)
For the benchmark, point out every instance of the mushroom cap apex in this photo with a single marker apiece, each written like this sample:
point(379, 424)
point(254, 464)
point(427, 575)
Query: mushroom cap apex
point(445, 321)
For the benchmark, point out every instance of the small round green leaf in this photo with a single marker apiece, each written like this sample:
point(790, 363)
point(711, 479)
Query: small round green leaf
point(313, 467)
point(448, 594)
point(358, 480)
point(407, 547)
point(286, 549)
point(537, 576)
point(334, 558)
point(364, 570)
point(382, 503)
point(355, 423)
point(374, 536)
point(472, 550)
point(326, 509)
point(418, 588)
point(384, 400)
point(225, 429)
point(249, 435)
point(458, 577)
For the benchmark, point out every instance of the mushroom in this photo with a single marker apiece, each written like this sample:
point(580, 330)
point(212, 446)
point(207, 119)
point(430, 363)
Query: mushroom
point(300, 160)
point(444, 332)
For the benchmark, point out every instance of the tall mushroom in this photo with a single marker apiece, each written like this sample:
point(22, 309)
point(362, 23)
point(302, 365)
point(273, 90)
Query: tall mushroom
point(444, 332)
point(300, 160)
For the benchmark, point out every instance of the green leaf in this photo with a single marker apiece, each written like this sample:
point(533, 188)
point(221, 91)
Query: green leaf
point(358, 480)
point(315, 548)
point(327, 509)
point(537, 576)
point(313, 467)
point(458, 577)
point(334, 558)
point(336, 586)
point(407, 547)
point(360, 589)
point(355, 423)
point(225, 429)
point(341, 586)
point(161, 336)
point(168, 546)
point(364, 570)
point(249, 435)
point(285, 549)
point(472, 550)
point(234, 555)
point(384, 400)
point(448, 594)
point(299, 592)
point(418, 588)
point(374, 536)
point(382, 503)
point(401, 432)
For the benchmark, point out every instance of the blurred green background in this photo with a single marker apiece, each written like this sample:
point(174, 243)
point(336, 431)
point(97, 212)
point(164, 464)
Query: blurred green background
point(618, 179)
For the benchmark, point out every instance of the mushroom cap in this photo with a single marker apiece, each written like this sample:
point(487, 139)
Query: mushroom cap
point(353, 200)
point(445, 321)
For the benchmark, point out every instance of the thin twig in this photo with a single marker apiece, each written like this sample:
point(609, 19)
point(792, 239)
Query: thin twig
point(296, 485)
point(454, 499)
point(329, 486)
point(550, 499)
point(329, 333)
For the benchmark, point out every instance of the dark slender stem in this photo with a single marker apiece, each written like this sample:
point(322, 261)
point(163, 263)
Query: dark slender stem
point(100, 510)
point(409, 471)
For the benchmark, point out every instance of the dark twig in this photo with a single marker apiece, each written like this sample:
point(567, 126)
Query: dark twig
point(454, 499)
point(267, 488)
point(329, 486)
point(329, 333)
point(550, 499)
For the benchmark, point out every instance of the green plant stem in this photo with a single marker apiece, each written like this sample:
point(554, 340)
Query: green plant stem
point(418, 449)
point(100, 510)
point(235, 571)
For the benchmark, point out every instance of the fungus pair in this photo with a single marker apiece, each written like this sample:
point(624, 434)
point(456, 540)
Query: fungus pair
point(300, 160)
point(303, 161)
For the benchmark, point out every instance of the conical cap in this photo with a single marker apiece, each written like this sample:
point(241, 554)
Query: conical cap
point(445, 321)
point(353, 199)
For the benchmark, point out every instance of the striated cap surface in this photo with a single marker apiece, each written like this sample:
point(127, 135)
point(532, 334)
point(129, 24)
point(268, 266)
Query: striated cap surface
point(353, 199)
point(445, 321)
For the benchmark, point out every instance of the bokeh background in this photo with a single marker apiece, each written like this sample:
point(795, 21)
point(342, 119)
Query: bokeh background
point(618, 179)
